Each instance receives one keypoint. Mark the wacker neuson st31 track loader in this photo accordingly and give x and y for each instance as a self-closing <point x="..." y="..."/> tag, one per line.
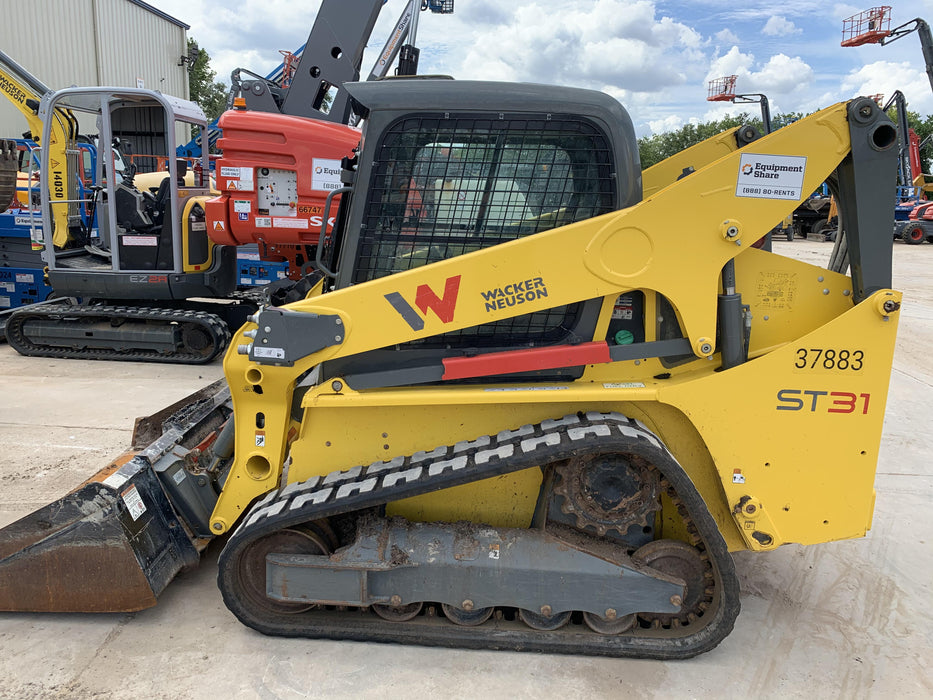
<point x="524" y="408"/>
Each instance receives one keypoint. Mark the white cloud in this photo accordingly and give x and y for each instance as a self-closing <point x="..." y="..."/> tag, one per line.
<point x="844" y="11"/>
<point x="779" y="26"/>
<point x="669" y="123"/>
<point x="780" y="75"/>
<point x="611" y="42"/>
<point x="726" y="37"/>
<point x="885" y="77"/>
<point x="783" y="74"/>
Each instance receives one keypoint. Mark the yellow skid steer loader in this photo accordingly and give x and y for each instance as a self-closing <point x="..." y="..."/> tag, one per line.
<point x="525" y="408"/>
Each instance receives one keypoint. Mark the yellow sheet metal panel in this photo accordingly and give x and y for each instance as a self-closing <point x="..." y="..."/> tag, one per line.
<point x="503" y="501"/>
<point x="669" y="170"/>
<point x="795" y="433"/>
<point x="788" y="298"/>
<point x="349" y="429"/>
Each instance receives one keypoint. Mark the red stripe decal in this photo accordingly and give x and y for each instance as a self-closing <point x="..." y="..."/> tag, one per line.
<point x="593" y="353"/>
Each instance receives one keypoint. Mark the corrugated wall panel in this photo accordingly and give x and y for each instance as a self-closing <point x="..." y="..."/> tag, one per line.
<point x="151" y="53"/>
<point x="55" y="41"/>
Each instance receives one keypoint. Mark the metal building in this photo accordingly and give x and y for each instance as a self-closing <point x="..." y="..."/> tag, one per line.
<point x="93" y="42"/>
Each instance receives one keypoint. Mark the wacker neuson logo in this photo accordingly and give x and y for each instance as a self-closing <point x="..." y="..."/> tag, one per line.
<point x="514" y="294"/>
<point x="771" y="177"/>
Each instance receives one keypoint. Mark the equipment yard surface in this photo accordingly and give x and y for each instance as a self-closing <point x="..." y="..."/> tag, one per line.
<point x="846" y="619"/>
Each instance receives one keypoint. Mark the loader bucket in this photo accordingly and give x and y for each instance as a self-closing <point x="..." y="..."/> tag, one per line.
<point x="116" y="542"/>
<point x="95" y="550"/>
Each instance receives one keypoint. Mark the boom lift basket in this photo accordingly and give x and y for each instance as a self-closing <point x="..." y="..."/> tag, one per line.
<point x="867" y="27"/>
<point x="722" y="89"/>
<point x="438" y="7"/>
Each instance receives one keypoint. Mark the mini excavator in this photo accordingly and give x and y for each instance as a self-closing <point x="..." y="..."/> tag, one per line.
<point x="152" y="285"/>
<point x="525" y="407"/>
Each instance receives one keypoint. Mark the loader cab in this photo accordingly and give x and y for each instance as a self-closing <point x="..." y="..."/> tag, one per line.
<point x="144" y="234"/>
<point x="450" y="167"/>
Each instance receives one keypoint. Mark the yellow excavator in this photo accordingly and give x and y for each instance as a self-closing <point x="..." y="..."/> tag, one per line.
<point x="526" y="408"/>
<point x="25" y="92"/>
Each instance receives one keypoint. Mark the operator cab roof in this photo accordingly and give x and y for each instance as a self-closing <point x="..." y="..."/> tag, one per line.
<point x="438" y="94"/>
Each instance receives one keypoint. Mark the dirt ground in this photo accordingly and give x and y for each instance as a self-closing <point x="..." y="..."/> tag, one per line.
<point x="847" y="619"/>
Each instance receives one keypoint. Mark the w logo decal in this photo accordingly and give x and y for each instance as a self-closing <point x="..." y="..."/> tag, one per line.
<point x="426" y="298"/>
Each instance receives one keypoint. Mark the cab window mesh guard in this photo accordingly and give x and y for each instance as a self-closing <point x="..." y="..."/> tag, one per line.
<point x="444" y="187"/>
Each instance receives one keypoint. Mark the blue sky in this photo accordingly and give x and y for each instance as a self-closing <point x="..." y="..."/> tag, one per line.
<point x="654" y="56"/>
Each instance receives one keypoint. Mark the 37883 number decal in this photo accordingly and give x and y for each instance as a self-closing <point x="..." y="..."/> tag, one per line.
<point x="829" y="358"/>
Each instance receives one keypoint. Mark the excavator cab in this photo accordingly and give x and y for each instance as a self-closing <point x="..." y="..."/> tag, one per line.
<point x="145" y="235"/>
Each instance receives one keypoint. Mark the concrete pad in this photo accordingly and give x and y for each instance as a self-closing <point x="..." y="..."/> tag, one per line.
<point x="844" y="619"/>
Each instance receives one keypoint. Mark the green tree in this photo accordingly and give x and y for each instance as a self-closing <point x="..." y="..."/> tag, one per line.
<point x="203" y="89"/>
<point x="655" y="148"/>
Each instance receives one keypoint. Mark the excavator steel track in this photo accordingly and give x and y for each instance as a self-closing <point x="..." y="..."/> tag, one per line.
<point x="365" y="487"/>
<point x="99" y="332"/>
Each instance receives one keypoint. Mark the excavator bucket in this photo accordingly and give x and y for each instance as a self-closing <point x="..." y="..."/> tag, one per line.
<point x="116" y="542"/>
<point x="8" y="169"/>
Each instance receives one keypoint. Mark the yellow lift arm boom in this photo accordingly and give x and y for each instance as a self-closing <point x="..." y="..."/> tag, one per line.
<point x="25" y="91"/>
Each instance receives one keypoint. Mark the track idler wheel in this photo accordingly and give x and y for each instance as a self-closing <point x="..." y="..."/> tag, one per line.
<point x="466" y="617"/>
<point x="251" y="567"/>
<point x="679" y="559"/>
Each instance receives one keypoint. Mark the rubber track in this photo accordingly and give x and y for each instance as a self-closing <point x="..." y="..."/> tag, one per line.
<point x="211" y="323"/>
<point x="445" y="467"/>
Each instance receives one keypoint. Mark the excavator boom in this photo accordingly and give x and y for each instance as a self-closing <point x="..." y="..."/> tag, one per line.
<point x="26" y="91"/>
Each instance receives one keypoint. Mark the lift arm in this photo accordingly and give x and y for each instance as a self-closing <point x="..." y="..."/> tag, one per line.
<point x="332" y="56"/>
<point x="926" y="41"/>
<point x="904" y="171"/>
<point x="25" y="91"/>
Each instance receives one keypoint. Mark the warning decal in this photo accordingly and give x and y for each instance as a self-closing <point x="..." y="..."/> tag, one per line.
<point x="134" y="502"/>
<point x="764" y="176"/>
<point x="280" y="222"/>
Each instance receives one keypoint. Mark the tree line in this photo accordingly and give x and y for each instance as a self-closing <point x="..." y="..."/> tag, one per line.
<point x="655" y="148"/>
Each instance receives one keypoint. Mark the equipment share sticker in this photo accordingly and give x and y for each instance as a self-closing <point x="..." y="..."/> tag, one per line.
<point x="771" y="177"/>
